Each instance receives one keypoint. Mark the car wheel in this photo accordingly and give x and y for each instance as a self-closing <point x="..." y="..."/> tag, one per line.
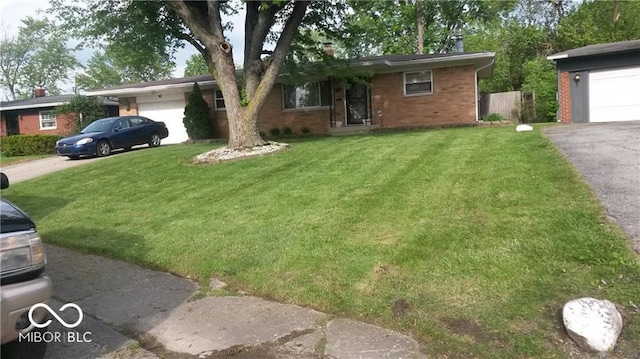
<point x="74" y="157"/>
<point x="103" y="149"/>
<point x="154" y="140"/>
<point x="25" y="349"/>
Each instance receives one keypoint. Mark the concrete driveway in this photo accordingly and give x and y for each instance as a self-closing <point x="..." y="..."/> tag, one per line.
<point x="608" y="156"/>
<point x="27" y="170"/>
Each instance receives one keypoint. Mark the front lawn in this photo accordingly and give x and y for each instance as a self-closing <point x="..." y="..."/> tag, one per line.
<point x="468" y="239"/>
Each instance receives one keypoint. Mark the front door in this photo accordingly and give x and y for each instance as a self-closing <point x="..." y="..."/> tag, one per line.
<point x="358" y="105"/>
<point x="13" y="126"/>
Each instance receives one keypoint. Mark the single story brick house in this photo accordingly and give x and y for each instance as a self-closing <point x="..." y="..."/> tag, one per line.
<point x="599" y="83"/>
<point x="403" y="91"/>
<point x="37" y="115"/>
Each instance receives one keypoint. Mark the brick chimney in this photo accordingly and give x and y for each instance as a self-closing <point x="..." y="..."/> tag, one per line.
<point x="327" y="47"/>
<point x="39" y="91"/>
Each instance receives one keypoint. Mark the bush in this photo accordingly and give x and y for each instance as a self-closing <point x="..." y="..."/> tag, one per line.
<point x="197" y="116"/>
<point x="275" y="132"/>
<point x="305" y="131"/>
<point x="287" y="131"/>
<point x="493" y="117"/>
<point x="91" y="108"/>
<point x="29" y="145"/>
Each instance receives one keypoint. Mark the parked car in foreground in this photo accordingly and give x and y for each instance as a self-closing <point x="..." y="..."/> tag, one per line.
<point x="22" y="261"/>
<point x="100" y="137"/>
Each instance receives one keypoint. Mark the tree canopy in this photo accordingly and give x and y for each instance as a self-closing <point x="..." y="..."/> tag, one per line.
<point x="196" y="66"/>
<point x="37" y="56"/>
<point x="110" y="68"/>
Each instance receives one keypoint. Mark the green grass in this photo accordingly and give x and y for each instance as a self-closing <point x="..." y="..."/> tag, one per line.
<point x="6" y="161"/>
<point x="484" y="232"/>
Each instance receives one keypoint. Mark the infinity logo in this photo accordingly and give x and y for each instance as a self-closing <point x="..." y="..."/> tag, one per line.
<point x="60" y="320"/>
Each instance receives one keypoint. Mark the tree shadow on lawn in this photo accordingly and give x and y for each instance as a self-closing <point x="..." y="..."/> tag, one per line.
<point x="39" y="207"/>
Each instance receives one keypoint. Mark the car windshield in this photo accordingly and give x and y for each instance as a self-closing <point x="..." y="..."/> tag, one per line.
<point x="100" y="125"/>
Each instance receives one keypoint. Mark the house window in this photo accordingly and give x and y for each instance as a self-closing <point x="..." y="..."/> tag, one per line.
<point x="309" y="95"/>
<point x="219" y="100"/>
<point x="418" y="83"/>
<point x="48" y="120"/>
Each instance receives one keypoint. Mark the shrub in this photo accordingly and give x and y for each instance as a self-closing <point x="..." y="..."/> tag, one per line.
<point x="197" y="118"/>
<point x="29" y="145"/>
<point x="493" y="117"/>
<point x="287" y="131"/>
<point x="91" y="109"/>
<point x="305" y="131"/>
<point x="275" y="132"/>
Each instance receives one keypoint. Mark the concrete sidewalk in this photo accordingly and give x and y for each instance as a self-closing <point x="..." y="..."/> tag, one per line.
<point x="122" y="301"/>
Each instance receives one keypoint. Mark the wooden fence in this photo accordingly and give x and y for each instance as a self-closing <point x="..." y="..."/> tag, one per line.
<point x="515" y="106"/>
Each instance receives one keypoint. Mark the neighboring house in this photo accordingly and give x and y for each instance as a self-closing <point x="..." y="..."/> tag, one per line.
<point x="404" y="91"/>
<point x="37" y="115"/>
<point x="599" y="83"/>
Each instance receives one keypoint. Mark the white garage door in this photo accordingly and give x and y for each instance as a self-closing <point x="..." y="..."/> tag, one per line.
<point x="169" y="112"/>
<point x="614" y="95"/>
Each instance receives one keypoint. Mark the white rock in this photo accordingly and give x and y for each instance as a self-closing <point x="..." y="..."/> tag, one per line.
<point x="521" y="128"/>
<point x="593" y="324"/>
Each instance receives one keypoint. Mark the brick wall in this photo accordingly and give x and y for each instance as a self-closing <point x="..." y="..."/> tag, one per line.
<point x="273" y="116"/>
<point x="564" y="95"/>
<point x="451" y="103"/>
<point x="130" y="103"/>
<point x="29" y="124"/>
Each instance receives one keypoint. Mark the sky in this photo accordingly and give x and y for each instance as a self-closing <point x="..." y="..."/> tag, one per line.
<point x="11" y="11"/>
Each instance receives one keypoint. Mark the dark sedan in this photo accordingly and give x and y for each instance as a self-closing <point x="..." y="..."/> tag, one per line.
<point x="100" y="137"/>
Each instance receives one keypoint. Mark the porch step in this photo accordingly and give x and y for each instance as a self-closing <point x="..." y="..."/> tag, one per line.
<point x="352" y="130"/>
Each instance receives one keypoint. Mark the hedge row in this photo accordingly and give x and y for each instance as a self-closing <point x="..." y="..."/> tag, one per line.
<point x="28" y="145"/>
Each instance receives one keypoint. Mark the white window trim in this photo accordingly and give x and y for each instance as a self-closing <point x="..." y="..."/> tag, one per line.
<point x="215" y="101"/>
<point x="308" y="108"/>
<point x="404" y="84"/>
<point x="55" y="120"/>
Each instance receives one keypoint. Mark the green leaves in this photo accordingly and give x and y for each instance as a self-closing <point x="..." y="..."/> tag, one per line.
<point x="196" y="66"/>
<point x="37" y="56"/>
<point x="84" y="109"/>
<point x="113" y="68"/>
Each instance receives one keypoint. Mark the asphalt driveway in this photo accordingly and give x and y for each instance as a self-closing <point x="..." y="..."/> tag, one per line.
<point x="608" y="156"/>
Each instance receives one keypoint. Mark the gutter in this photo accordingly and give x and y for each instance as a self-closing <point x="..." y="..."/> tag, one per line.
<point x="428" y="60"/>
<point x="40" y="105"/>
<point x="493" y="60"/>
<point x="137" y="90"/>
<point x="557" y="57"/>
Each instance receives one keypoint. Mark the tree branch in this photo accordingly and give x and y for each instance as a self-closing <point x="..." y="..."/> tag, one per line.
<point x="193" y="42"/>
<point x="279" y="54"/>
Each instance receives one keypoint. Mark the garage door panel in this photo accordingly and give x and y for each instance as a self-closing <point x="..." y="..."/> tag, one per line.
<point x="169" y="112"/>
<point x="614" y="95"/>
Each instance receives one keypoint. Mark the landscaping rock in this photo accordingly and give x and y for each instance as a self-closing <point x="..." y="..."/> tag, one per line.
<point x="521" y="128"/>
<point x="227" y="154"/>
<point x="217" y="284"/>
<point x="593" y="324"/>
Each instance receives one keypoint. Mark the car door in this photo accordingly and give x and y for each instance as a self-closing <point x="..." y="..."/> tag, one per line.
<point x="139" y="126"/>
<point x="122" y="136"/>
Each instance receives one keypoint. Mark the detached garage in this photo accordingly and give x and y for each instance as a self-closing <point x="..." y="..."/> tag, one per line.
<point x="599" y="83"/>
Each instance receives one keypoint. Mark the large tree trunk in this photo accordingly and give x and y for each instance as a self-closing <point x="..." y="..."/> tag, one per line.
<point x="420" y="27"/>
<point x="259" y="76"/>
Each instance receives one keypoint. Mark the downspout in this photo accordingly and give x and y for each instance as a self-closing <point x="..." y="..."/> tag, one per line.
<point x="493" y="60"/>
